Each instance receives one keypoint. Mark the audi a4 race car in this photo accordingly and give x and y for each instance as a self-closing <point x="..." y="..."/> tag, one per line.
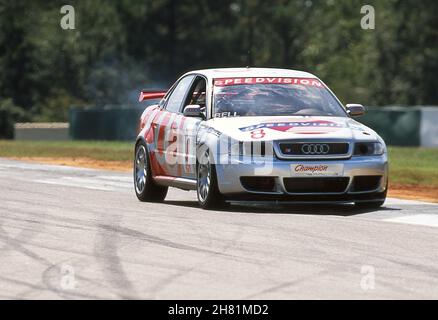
<point x="256" y="134"/>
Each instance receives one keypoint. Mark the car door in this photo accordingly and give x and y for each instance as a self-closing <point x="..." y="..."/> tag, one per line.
<point x="163" y="126"/>
<point x="190" y="126"/>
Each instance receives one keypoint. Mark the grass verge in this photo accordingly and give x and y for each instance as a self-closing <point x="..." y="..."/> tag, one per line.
<point x="413" y="166"/>
<point x="93" y="150"/>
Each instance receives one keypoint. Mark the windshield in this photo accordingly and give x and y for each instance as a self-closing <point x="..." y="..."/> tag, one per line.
<point x="236" y="97"/>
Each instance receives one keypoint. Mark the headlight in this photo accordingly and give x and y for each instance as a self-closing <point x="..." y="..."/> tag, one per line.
<point x="369" y="149"/>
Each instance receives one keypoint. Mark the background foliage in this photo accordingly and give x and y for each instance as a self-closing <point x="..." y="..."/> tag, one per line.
<point x="119" y="47"/>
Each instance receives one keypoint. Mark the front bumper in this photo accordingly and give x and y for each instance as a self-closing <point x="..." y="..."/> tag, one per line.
<point x="229" y="173"/>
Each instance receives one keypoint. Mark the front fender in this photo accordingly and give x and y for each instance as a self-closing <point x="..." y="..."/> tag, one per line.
<point x="210" y="139"/>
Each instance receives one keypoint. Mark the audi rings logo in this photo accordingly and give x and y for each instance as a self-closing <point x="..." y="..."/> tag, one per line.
<point x="315" y="148"/>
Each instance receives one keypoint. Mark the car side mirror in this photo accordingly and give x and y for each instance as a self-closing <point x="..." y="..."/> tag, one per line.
<point x="355" y="110"/>
<point x="193" y="110"/>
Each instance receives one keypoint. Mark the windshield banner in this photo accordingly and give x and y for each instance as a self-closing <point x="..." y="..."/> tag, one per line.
<point x="237" y="81"/>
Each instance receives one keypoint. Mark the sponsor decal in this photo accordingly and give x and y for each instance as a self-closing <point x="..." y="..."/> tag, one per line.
<point x="299" y="127"/>
<point x="312" y="169"/>
<point x="225" y="114"/>
<point x="325" y="170"/>
<point x="266" y="80"/>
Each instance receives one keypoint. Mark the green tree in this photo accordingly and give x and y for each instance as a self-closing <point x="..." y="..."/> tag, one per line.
<point x="9" y="114"/>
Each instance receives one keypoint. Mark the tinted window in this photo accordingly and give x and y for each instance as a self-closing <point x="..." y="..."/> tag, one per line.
<point x="175" y="100"/>
<point x="197" y="94"/>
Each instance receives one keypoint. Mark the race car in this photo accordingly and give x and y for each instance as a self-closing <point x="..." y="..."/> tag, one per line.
<point x="257" y="134"/>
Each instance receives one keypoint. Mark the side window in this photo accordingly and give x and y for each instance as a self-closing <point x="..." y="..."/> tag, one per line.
<point x="197" y="93"/>
<point x="176" y="98"/>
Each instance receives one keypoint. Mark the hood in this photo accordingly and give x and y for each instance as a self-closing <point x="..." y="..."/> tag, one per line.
<point x="296" y="127"/>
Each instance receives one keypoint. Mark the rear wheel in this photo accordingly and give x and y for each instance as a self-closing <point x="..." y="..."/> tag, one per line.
<point x="207" y="189"/>
<point x="145" y="187"/>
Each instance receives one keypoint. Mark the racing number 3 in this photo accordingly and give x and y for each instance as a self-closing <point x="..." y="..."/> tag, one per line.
<point x="258" y="134"/>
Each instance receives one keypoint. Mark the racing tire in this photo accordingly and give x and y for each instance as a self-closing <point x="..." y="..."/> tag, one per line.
<point x="209" y="196"/>
<point x="145" y="187"/>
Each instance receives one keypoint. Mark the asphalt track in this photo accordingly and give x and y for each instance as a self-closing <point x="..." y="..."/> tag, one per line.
<point x="71" y="233"/>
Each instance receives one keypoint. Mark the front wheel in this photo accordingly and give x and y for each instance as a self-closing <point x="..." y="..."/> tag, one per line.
<point x="145" y="187"/>
<point x="207" y="189"/>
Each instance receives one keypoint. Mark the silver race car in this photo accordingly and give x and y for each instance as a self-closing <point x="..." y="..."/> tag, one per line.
<point x="253" y="134"/>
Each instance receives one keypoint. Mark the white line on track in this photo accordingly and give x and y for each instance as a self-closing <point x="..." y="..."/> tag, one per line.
<point x="430" y="220"/>
<point x="104" y="183"/>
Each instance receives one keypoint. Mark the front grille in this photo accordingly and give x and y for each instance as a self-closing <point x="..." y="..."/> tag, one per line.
<point x="313" y="148"/>
<point x="365" y="183"/>
<point x="258" y="184"/>
<point x="316" y="185"/>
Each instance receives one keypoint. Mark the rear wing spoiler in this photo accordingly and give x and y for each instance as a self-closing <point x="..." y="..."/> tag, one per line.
<point x="151" y="94"/>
